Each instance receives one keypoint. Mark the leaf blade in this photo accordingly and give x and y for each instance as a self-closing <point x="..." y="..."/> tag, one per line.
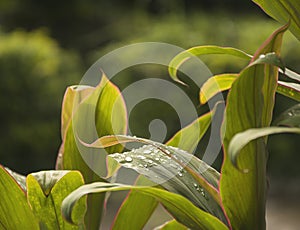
<point x="15" y="213"/>
<point x="182" y="57"/>
<point x="181" y="208"/>
<point x="249" y="105"/>
<point x="283" y="11"/>
<point x="240" y="140"/>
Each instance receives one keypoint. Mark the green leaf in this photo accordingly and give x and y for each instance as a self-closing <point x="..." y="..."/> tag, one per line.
<point x="92" y="117"/>
<point x="15" y="213"/>
<point x="128" y="215"/>
<point x="250" y="104"/>
<point x="240" y="140"/>
<point x="202" y="50"/>
<point x="47" y="190"/>
<point x="179" y="207"/>
<point x="189" y="137"/>
<point x="159" y="168"/>
<point x="78" y="92"/>
<point x="175" y="169"/>
<point x="171" y="225"/>
<point x="283" y="11"/>
<point x="269" y="58"/>
<point x="291" y="90"/>
<point x="216" y="84"/>
<point x="290" y="117"/>
<point x="222" y="82"/>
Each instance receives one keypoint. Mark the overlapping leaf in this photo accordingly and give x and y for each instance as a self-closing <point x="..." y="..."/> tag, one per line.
<point x="283" y="11"/>
<point x="202" y="50"/>
<point x="92" y="116"/>
<point x="15" y="212"/>
<point x="240" y="140"/>
<point x="175" y="169"/>
<point x="128" y="215"/>
<point x="46" y="191"/>
<point x="188" y="137"/>
<point x="181" y="208"/>
<point x="249" y="105"/>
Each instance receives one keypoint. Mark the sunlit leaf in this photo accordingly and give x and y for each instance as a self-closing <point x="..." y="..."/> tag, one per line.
<point x="15" y="212"/>
<point x="216" y="84"/>
<point x="77" y="92"/>
<point x="179" y="207"/>
<point x="202" y="50"/>
<point x="222" y="82"/>
<point x="92" y="117"/>
<point x="250" y="104"/>
<point x="174" y="169"/>
<point x="240" y="140"/>
<point x="47" y="190"/>
<point x="283" y="11"/>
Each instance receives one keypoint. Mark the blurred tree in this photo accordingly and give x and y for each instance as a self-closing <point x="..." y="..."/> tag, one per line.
<point x="34" y="73"/>
<point x="86" y="24"/>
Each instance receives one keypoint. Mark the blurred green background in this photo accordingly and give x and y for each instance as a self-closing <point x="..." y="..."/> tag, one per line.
<point x="47" y="45"/>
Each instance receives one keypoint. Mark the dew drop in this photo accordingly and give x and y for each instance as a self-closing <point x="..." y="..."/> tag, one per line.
<point x="128" y="159"/>
<point x="141" y="157"/>
<point x="150" y="161"/>
<point x="155" y="150"/>
<point x="262" y="56"/>
<point x="147" y="151"/>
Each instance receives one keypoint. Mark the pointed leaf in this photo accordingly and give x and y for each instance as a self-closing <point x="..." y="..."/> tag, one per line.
<point x="15" y="213"/>
<point x="283" y="11"/>
<point x="92" y="117"/>
<point x="202" y="50"/>
<point x="78" y="91"/>
<point x="181" y="208"/>
<point x="47" y="190"/>
<point x="250" y="104"/>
